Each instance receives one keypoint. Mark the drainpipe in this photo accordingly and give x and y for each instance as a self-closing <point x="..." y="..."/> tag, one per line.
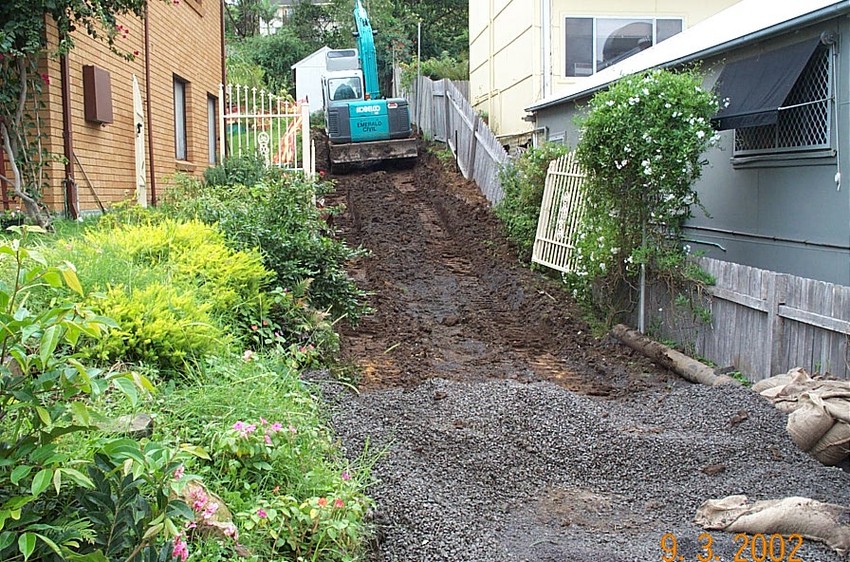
<point x="546" y="45"/>
<point x="491" y="59"/>
<point x="223" y="52"/>
<point x="149" y="103"/>
<point x="72" y="196"/>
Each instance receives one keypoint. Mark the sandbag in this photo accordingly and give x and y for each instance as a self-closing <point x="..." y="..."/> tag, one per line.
<point x="838" y="408"/>
<point x="834" y="446"/>
<point x="810" y="518"/>
<point x="808" y="423"/>
<point x="779" y="380"/>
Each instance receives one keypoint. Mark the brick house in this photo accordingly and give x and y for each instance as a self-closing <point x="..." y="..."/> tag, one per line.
<point x="90" y="114"/>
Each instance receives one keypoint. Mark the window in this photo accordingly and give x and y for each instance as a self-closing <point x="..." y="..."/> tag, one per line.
<point x="803" y="119"/>
<point x="595" y="43"/>
<point x="212" y="126"/>
<point x="180" y="144"/>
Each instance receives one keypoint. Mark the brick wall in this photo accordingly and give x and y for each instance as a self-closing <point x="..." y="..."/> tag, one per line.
<point x="185" y="42"/>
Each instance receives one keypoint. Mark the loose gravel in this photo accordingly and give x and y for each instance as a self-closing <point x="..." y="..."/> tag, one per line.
<point x="506" y="471"/>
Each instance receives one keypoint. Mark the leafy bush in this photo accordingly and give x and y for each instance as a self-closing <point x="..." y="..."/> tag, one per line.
<point x="273" y="459"/>
<point x="642" y="144"/>
<point x="244" y="170"/>
<point x="280" y="216"/>
<point x="48" y="410"/>
<point x="523" y="183"/>
<point x="164" y="326"/>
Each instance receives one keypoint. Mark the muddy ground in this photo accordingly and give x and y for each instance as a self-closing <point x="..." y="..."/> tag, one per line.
<point x="509" y="431"/>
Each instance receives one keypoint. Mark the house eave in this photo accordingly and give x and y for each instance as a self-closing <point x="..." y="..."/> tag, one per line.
<point x="812" y="18"/>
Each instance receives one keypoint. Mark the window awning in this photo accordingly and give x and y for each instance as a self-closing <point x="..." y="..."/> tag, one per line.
<point x="756" y="87"/>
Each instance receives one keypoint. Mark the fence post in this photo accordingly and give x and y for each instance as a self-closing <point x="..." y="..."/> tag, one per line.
<point x="474" y="148"/>
<point x="777" y="287"/>
<point x="222" y="135"/>
<point x="306" y="161"/>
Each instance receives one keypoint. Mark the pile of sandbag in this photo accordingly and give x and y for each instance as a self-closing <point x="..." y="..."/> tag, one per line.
<point x="818" y="412"/>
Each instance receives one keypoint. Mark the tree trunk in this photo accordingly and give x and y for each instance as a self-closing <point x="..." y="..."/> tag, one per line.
<point x="667" y="357"/>
<point x="31" y="206"/>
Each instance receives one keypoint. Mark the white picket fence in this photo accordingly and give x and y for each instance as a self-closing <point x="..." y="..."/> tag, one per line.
<point x="254" y="121"/>
<point x="561" y="213"/>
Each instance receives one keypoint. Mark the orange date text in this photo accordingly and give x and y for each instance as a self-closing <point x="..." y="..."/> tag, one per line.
<point x="748" y="548"/>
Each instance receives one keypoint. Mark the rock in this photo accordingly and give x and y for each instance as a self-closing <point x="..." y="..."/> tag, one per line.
<point x="712" y="469"/>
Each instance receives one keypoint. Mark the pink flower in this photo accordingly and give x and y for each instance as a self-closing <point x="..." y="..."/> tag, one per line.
<point x="292" y="429"/>
<point x="178" y="472"/>
<point x="263" y="421"/>
<point x="249" y="429"/>
<point x="322" y="502"/>
<point x="239" y="426"/>
<point x="338" y="503"/>
<point x="248" y="356"/>
<point x="180" y="549"/>
<point x="262" y="514"/>
<point x="231" y="531"/>
<point x="346" y="476"/>
<point x="209" y="511"/>
<point x="275" y="427"/>
<point x="268" y="439"/>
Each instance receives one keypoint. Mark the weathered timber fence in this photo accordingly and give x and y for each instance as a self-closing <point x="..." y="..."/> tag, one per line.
<point x="440" y="110"/>
<point x="762" y="322"/>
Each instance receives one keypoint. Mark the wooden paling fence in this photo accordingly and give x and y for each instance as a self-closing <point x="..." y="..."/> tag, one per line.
<point x="762" y="322"/>
<point x="440" y="110"/>
<point x="561" y="213"/>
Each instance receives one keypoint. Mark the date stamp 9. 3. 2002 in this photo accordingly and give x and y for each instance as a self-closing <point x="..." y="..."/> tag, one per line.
<point x="748" y="548"/>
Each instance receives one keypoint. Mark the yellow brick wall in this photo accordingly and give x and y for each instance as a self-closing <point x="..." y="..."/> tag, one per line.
<point x="185" y="40"/>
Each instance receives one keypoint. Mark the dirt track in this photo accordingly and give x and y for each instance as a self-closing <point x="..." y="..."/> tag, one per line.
<point x="451" y="299"/>
<point x="511" y="433"/>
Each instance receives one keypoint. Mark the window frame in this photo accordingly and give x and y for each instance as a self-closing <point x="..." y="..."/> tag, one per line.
<point x="212" y="129"/>
<point x="776" y="151"/>
<point x="181" y="129"/>
<point x="653" y="20"/>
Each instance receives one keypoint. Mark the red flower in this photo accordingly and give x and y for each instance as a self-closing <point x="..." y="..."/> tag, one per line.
<point x="46" y="79"/>
<point x="338" y="503"/>
<point x="323" y="502"/>
<point x="135" y="53"/>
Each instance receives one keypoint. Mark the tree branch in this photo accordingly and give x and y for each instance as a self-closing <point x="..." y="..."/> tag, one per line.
<point x="30" y="204"/>
<point x="22" y="98"/>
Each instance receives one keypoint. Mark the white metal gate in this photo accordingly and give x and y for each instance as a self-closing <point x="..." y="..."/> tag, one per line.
<point x="254" y="121"/>
<point x="561" y="213"/>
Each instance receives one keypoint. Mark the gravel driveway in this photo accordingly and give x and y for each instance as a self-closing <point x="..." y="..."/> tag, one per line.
<point x="510" y="432"/>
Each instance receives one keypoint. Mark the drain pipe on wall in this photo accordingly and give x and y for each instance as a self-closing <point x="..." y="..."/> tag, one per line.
<point x="72" y="195"/>
<point x="149" y="103"/>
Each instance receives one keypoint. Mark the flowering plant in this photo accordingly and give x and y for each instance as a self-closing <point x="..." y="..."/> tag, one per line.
<point x="642" y="148"/>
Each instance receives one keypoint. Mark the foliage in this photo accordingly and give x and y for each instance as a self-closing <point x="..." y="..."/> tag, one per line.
<point x="523" y="182"/>
<point x="280" y="216"/>
<point x="273" y="459"/>
<point x="47" y="409"/>
<point x="241" y="68"/>
<point x="174" y="288"/>
<point x="642" y="144"/>
<point x="235" y="170"/>
<point x="446" y="66"/>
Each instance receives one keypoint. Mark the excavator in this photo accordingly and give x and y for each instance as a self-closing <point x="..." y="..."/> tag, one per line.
<point x="362" y="126"/>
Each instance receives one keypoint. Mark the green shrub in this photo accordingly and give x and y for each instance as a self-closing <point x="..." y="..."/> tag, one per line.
<point x="523" y="183"/>
<point x="161" y="325"/>
<point x="280" y="217"/>
<point x="57" y="502"/>
<point x="245" y="170"/>
<point x="642" y="147"/>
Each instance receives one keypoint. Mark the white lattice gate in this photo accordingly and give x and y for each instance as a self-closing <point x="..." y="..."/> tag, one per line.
<point x="254" y="121"/>
<point x="561" y="213"/>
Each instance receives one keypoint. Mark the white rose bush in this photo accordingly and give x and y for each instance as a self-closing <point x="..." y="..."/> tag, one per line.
<point x="642" y="146"/>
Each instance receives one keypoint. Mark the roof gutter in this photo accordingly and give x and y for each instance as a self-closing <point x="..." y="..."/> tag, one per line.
<point x="811" y="18"/>
<point x="149" y="103"/>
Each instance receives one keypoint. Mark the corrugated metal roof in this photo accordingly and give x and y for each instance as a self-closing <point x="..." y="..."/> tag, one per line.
<point x="746" y="20"/>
